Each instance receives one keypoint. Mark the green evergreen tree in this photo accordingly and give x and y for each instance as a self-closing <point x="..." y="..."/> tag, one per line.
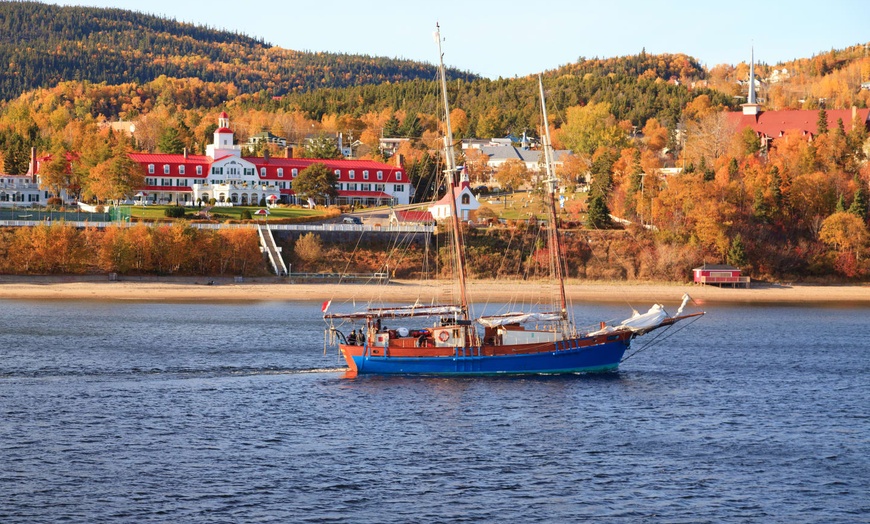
<point x="322" y="146"/>
<point x="822" y="122"/>
<point x="859" y="203"/>
<point x="411" y="127"/>
<point x="733" y="169"/>
<point x="598" y="215"/>
<point x="736" y="253"/>
<point x="16" y="158"/>
<point x="391" y="127"/>
<point x="170" y="143"/>
<point x="841" y="205"/>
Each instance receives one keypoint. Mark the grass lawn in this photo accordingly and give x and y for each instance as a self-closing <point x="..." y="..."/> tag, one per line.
<point x="523" y="205"/>
<point x="230" y="213"/>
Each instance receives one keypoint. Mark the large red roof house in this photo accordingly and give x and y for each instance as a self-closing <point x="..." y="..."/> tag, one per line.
<point x="770" y="125"/>
<point x="228" y="177"/>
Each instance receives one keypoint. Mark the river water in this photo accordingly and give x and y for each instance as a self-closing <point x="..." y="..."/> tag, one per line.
<point x="196" y="412"/>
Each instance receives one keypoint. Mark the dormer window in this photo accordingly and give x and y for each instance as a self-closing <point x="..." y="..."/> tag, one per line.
<point x="262" y="171"/>
<point x="380" y="175"/>
<point x="198" y="170"/>
<point x="150" y="169"/>
<point x="398" y="175"/>
<point x="165" y="169"/>
<point x="280" y="171"/>
<point x="180" y="170"/>
<point x="365" y="175"/>
<point x="294" y="172"/>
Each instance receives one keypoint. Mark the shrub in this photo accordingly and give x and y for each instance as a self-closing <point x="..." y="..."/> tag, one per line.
<point x="212" y="201"/>
<point x="174" y="212"/>
<point x="263" y="202"/>
<point x="54" y="202"/>
<point x="246" y="214"/>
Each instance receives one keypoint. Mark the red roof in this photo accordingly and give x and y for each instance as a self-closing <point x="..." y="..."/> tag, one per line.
<point x="414" y="216"/>
<point x="775" y="124"/>
<point x="223" y="115"/>
<point x="457" y="190"/>
<point x="223" y="130"/>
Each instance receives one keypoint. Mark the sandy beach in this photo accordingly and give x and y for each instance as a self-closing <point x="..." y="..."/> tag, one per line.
<point x="266" y="288"/>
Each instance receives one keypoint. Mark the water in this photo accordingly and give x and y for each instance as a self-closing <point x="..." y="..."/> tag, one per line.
<point x="149" y="412"/>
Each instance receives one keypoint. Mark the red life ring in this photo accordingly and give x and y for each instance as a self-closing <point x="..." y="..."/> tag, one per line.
<point x="443" y="336"/>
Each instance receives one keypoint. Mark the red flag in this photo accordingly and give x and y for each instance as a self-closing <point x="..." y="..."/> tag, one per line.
<point x="325" y="306"/>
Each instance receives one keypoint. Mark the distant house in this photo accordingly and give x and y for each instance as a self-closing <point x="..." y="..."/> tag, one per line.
<point x="719" y="274"/>
<point x="266" y="138"/>
<point x="466" y="202"/>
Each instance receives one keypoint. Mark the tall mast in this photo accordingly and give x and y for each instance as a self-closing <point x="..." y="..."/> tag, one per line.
<point x="552" y="182"/>
<point x="450" y="172"/>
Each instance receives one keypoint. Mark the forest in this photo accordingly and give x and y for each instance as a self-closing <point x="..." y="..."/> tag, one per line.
<point x="43" y="44"/>
<point x="795" y="210"/>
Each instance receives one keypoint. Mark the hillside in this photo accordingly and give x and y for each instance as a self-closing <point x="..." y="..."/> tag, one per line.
<point x="42" y="45"/>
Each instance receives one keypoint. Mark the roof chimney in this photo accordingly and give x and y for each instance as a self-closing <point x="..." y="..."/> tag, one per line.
<point x="400" y="160"/>
<point x="266" y="154"/>
<point x="185" y="153"/>
<point x="288" y="152"/>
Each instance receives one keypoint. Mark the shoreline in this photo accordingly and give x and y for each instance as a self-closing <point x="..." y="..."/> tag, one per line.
<point x="98" y="287"/>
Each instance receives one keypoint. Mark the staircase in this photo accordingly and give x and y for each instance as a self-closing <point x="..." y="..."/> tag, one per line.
<point x="268" y="246"/>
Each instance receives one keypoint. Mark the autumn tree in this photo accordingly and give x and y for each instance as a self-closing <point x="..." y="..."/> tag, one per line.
<point x="512" y="174"/>
<point x="170" y="142"/>
<point x="308" y="248"/>
<point x="316" y="182"/>
<point x="590" y="127"/>
<point x="56" y="175"/>
<point x="117" y="177"/>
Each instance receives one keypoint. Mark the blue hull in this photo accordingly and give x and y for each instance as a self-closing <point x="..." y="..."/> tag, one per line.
<point x="601" y="357"/>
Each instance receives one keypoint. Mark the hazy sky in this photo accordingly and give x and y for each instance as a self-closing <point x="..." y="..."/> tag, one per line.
<point x="508" y="38"/>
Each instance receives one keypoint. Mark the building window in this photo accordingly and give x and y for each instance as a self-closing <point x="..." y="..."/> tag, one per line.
<point x="262" y="171"/>
<point x="379" y="187"/>
<point x="249" y="171"/>
<point x="351" y="187"/>
<point x="398" y="175"/>
<point x="366" y="187"/>
<point x="466" y="199"/>
<point x="338" y="172"/>
<point x="365" y="175"/>
<point x="198" y="170"/>
<point x="166" y="182"/>
<point x="180" y="170"/>
<point x="217" y="170"/>
<point x="380" y="175"/>
<point x="294" y="172"/>
<point x="351" y="173"/>
<point x="150" y="181"/>
<point x="150" y="169"/>
<point x="280" y="171"/>
<point x="181" y="182"/>
<point x="165" y="169"/>
<point x="398" y="188"/>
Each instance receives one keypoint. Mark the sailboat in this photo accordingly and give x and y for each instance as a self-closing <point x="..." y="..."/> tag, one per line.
<point x="514" y="343"/>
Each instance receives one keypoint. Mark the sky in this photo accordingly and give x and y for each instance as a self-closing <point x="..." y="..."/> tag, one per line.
<point x="516" y="38"/>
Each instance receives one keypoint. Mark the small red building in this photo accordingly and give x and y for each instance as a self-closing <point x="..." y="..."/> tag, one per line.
<point x="719" y="274"/>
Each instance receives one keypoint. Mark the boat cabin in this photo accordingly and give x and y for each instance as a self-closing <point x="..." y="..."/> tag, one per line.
<point x="719" y="274"/>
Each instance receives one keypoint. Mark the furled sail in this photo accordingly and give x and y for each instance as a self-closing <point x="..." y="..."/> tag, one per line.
<point x="401" y="311"/>
<point x="517" y="318"/>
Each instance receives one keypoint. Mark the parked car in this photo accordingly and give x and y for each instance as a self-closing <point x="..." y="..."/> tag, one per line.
<point x="351" y="220"/>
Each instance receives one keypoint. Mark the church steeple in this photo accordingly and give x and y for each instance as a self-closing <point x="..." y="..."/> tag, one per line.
<point x="751" y="106"/>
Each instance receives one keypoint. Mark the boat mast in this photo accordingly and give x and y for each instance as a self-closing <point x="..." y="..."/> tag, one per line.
<point x="552" y="183"/>
<point x="450" y="172"/>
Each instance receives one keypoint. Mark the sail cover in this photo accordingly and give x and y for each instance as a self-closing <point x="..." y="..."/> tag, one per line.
<point x="650" y="319"/>
<point x="517" y="318"/>
<point x="401" y="311"/>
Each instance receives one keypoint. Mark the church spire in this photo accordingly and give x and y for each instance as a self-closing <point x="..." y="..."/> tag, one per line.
<point x="751" y="106"/>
